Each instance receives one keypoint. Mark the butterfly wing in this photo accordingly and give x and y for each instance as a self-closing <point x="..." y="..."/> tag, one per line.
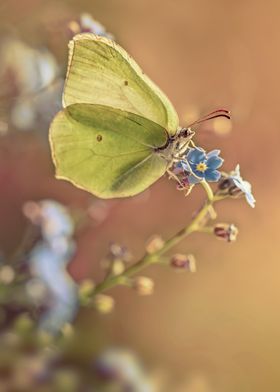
<point x="101" y="72"/>
<point x="106" y="151"/>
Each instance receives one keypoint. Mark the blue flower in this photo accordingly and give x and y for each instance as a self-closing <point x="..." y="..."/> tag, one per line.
<point x="202" y="166"/>
<point x="244" y="186"/>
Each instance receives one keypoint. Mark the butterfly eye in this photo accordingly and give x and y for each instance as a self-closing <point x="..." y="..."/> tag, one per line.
<point x="188" y="132"/>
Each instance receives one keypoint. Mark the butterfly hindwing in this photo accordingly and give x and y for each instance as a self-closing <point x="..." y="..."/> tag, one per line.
<point x="109" y="152"/>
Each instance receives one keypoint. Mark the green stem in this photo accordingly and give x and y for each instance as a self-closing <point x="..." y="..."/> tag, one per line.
<point x="207" y="189"/>
<point x="149" y="259"/>
<point x="206" y="229"/>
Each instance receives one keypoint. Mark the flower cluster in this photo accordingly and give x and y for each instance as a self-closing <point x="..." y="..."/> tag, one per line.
<point x="197" y="166"/>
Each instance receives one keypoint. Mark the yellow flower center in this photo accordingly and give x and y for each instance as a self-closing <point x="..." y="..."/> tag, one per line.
<point x="201" y="167"/>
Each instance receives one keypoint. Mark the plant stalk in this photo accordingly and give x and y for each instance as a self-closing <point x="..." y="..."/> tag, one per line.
<point x="148" y="259"/>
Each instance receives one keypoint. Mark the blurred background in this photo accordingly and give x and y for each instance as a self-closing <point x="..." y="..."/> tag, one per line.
<point x="215" y="330"/>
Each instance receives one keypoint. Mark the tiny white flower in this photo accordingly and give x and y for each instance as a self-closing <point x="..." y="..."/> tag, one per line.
<point x="243" y="185"/>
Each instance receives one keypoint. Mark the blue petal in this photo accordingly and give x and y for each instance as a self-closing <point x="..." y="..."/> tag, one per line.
<point x="185" y="166"/>
<point x="193" y="166"/>
<point x="240" y="184"/>
<point x="199" y="173"/>
<point x="212" y="175"/>
<point x="196" y="155"/>
<point x="213" y="153"/>
<point x="214" y="162"/>
<point x="245" y="187"/>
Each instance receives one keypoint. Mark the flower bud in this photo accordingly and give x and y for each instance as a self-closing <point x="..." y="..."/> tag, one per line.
<point x="65" y="380"/>
<point x="116" y="250"/>
<point x="86" y="288"/>
<point x="143" y="285"/>
<point x="23" y="324"/>
<point x="7" y="274"/>
<point x="32" y="211"/>
<point x="44" y="338"/>
<point x="224" y="183"/>
<point x="118" y="267"/>
<point x="226" y="186"/>
<point x="183" y="262"/>
<point x="225" y="231"/>
<point x="74" y="27"/>
<point x="67" y="331"/>
<point x="154" y="244"/>
<point x="120" y="252"/>
<point x="184" y="185"/>
<point x="116" y="260"/>
<point x="104" y="304"/>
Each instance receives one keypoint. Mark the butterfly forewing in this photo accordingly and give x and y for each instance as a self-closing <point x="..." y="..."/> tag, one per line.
<point x="101" y="72"/>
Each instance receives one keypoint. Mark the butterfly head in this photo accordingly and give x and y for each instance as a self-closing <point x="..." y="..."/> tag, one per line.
<point x="185" y="133"/>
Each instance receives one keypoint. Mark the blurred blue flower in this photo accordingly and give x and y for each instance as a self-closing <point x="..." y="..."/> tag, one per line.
<point x="62" y="294"/>
<point x="89" y="25"/>
<point x="31" y="86"/>
<point x="55" y="221"/>
<point x="202" y="166"/>
<point x="244" y="186"/>
<point x="49" y="260"/>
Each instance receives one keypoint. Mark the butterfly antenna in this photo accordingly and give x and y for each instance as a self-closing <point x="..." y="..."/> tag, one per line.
<point x="210" y="116"/>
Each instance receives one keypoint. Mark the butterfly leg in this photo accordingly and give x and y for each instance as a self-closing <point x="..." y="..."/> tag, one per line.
<point x="181" y="187"/>
<point x="176" y="178"/>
